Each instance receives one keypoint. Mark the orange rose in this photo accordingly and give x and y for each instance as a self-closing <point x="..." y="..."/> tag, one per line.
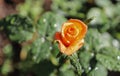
<point x="71" y="37"/>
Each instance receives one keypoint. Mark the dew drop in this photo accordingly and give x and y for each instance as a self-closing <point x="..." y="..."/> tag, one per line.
<point x="50" y="47"/>
<point x="89" y="68"/>
<point x="44" y="20"/>
<point x="92" y="54"/>
<point x="118" y="57"/>
<point x="55" y="25"/>
<point x="116" y="43"/>
<point x="43" y="40"/>
<point x="96" y="68"/>
<point x="34" y="58"/>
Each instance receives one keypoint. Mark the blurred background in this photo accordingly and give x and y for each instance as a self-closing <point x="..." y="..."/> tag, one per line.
<point x="27" y="28"/>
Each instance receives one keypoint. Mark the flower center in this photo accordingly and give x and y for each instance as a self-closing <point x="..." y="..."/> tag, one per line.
<point x="72" y="31"/>
<point x="69" y="33"/>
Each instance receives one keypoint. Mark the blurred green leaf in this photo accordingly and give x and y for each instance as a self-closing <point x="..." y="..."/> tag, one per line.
<point x="93" y="40"/>
<point x="8" y="50"/>
<point x="99" y="70"/>
<point x="44" y="68"/>
<point x="31" y="8"/>
<point x="109" y="62"/>
<point x="68" y="7"/>
<point x="99" y="16"/>
<point x="85" y="58"/>
<point x="7" y="67"/>
<point x="18" y="28"/>
<point x="67" y="73"/>
<point x="88" y="20"/>
<point x="49" y="23"/>
<point x="103" y="3"/>
<point x="40" y="49"/>
<point x="66" y="70"/>
<point x="111" y="51"/>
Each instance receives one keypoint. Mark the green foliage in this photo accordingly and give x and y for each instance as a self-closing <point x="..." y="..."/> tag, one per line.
<point x="68" y="7"/>
<point x="98" y="71"/>
<point x="106" y="15"/>
<point x="93" y="36"/>
<point x="6" y="68"/>
<point x="100" y="50"/>
<point x="47" y="25"/>
<point x="75" y="62"/>
<point x="40" y="49"/>
<point x="31" y="8"/>
<point x="85" y="58"/>
<point x="66" y="70"/>
<point x="18" y="28"/>
<point x="32" y="48"/>
<point x="109" y="62"/>
<point x="8" y="50"/>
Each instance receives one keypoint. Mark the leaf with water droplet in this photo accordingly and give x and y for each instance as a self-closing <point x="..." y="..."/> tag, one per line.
<point x="49" y="23"/>
<point x="85" y="58"/>
<point x="99" y="70"/>
<point x="40" y="49"/>
<point x="109" y="62"/>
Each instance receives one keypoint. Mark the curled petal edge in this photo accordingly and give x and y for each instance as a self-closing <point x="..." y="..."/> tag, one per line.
<point x="71" y="49"/>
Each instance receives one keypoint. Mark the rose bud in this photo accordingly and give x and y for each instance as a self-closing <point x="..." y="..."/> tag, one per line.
<point x="71" y="37"/>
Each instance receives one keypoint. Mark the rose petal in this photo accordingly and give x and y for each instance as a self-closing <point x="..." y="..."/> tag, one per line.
<point x="62" y="47"/>
<point x="83" y="26"/>
<point x="74" y="47"/>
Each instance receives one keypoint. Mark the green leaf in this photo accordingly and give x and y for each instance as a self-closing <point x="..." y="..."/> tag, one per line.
<point x="85" y="58"/>
<point x="27" y="8"/>
<point x="18" y="28"/>
<point x="67" y="73"/>
<point x="8" y="50"/>
<point x="100" y="19"/>
<point x="87" y="21"/>
<point x="55" y="50"/>
<point x="103" y="3"/>
<point x="44" y="68"/>
<point x="109" y="62"/>
<point x="99" y="70"/>
<point x="49" y="23"/>
<point x="41" y="49"/>
<point x="93" y="40"/>
<point x="7" y="67"/>
<point x="66" y="70"/>
<point x="63" y="7"/>
<point x="111" y="51"/>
